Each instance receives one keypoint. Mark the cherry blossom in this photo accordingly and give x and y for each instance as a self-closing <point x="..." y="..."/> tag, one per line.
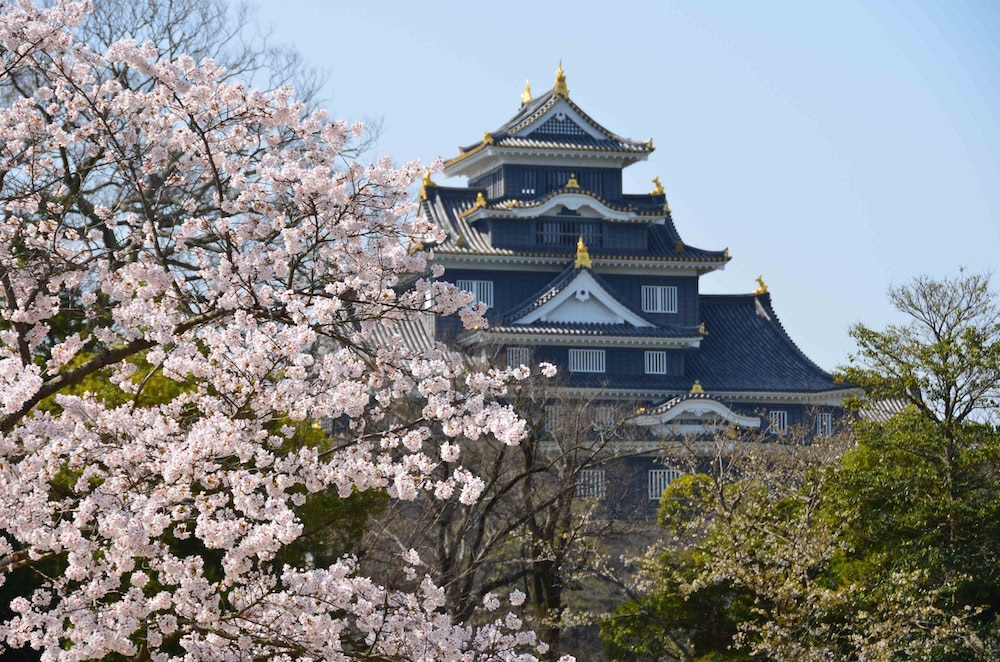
<point x="200" y="232"/>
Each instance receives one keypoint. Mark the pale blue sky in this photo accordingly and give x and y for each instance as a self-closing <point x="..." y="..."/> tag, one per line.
<point x="836" y="149"/>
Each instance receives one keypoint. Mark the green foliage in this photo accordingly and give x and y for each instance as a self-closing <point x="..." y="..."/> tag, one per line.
<point x="887" y="550"/>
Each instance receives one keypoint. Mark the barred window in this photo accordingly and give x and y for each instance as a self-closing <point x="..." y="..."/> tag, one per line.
<point x="481" y="290"/>
<point x="567" y="233"/>
<point x="656" y="363"/>
<point x="659" y="479"/>
<point x="586" y="360"/>
<point x="779" y="421"/>
<point x="517" y="356"/>
<point x="590" y="484"/>
<point x="824" y="424"/>
<point x="553" y="416"/>
<point x="659" y="299"/>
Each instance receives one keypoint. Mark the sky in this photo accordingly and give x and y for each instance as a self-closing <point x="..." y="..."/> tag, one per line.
<point x="836" y="149"/>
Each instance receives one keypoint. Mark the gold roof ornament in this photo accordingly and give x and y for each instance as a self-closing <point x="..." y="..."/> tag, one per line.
<point x="702" y="330"/>
<point x="666" y="206"/>
<point x="572" y="183"/>
<point x="761" y="287"/>
<point x="560" y="90"/>
<point x="488" y="138"/>
<point x="659" y="187"/>
<point x="425" y="184"/>
<point x="727" y="253"/>
<point x="582" y="255"/>
<point x="696" y="387"/>
<point x="480" y="201"/>
<point x="679" y="246"/>
<point x="526" y="94"/>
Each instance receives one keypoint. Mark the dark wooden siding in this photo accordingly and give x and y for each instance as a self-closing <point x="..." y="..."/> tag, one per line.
<point x="510" y="288"/>
<point x="629" y="290"/>
<point x="527" y="182"/>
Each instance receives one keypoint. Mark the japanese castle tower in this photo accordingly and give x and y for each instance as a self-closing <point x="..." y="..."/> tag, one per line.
<point x="599" y="282"/>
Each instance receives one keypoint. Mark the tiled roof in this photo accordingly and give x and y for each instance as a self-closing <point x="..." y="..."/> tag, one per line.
<point x="446" y="206"/>
<point x="535" y="109"/>
<point x="415" y="334"/>
<point x="747" y="349"/>
<point x="664" y="407"/>
<point x="597" y="329"/>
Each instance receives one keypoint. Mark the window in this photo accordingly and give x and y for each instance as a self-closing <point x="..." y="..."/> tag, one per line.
<point x="659" y="299"/>
<point x="590" y="484"/>
<point x="656" y="363"/>
<point x="481" y="290"/>
<point x="824" y="424"/>
<point x="567" y="233"/>
<point x="779" y="421"/>
<point x="518" y="356"/>
<point x="658" y="481"/>
<point x="586" y="360"/>
<point x="528" y="179"/>
<point x="553" y="414"/>
<point x="604" y="416"/>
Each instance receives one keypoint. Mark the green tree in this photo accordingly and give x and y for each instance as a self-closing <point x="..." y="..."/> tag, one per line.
<point x="880" y="547"/>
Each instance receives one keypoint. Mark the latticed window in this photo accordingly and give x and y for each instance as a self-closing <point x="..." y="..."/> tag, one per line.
<point x="561" y="126"/>
<point x="482" y="290"/>
<point x="824" y="424"/>
<point x="590" y="484"/>
<point x="656" y="363"/>
<point x="659" y="299"/>
<point x="779" y="421"/>
<point x="659" y="479"/>
<point x="517" y="356"/>
<point x="586" y="360"/>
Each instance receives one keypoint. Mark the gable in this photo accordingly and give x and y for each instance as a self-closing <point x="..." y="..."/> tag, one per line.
<point x="562" y="120"/>
<point x="584" y="300"/>
<point x="694" y="415"/>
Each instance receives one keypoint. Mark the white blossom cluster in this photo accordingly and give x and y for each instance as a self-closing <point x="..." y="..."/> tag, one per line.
<point x="222" y="234"/>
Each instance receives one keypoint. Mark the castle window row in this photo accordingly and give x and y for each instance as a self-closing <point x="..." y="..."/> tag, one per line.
<point x="518" y="356"/>
<point x="656" y="363"/>
<point x="659" y="299"/>
<point x="567" y="233"/>
<point x="592" y="483"/>
<point x="586" y="360"/>
<point x="481" y="290"/>
<point x="659" y="479"/>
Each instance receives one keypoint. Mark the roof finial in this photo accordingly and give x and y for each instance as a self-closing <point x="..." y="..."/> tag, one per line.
<point x="488" y="138"/>
<point x="582" y="255"/>
<point x="762" y="288"/>
<point x="560" y="89"/>
<point x="526" y="94"/>
<point x="696" y="387"/>
<point x="658" y="190"/>
<point x="425" y="184"/>
<point x="480" y="201"/>
<point x="572" y="183"/>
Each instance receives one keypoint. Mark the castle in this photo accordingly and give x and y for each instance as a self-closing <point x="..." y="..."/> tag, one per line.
<point x="599" y="282"/>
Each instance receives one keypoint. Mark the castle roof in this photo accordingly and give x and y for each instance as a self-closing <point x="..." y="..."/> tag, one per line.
<point x="550" y="122"/>
<point x="449" y="208"/>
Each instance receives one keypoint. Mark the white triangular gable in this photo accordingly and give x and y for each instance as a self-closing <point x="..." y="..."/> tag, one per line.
<point x="564" y="111"/>
<point x="695" y="416"/>
<point x="583" y="300"/>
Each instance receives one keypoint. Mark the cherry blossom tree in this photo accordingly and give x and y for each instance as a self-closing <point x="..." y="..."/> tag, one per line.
<point x="197" y="231"/>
